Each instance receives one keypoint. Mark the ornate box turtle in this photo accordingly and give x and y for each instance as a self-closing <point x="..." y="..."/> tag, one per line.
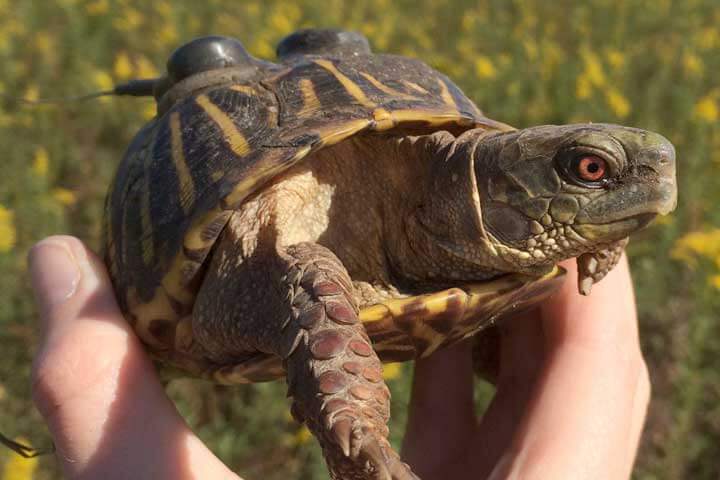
<point x="314" y="217"/>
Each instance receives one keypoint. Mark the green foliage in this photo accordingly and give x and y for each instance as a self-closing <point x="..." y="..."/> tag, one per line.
<point x="648" y="63"/>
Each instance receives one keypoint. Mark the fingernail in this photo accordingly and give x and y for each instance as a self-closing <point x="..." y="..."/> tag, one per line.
<point x="54" y="273"/>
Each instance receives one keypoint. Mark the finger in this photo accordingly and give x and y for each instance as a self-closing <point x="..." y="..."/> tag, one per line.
<point x="589" y="394"/>
<point x="441" y="411"/>
<point x="93" y="383"/>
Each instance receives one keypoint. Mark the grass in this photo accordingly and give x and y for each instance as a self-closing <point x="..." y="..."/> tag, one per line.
<point x="646" y="63"/>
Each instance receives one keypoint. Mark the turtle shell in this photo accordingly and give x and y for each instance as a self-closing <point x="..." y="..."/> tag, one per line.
<point x="231" y="132"/>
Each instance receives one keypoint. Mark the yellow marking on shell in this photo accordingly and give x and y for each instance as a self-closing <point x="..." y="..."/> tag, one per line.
<point x="328" y="136"/>
<point x="384" y="88"/>
<point x="383" y="119"/>
<point x="445" y="94"/>
<point x="351" y="87"/>
<point x="431" y="118"/>
<point x="187" y="186"/>
<point x="432" y="305"/>
<point x="301" y="153"/>
<point x="336" y="134"/>
<point x="237" y="141"/>
<point x="173" y="283"/>
<point x="246" y="89"/>
<point x="486" y="301"/>
<point x="415" y="86"/>
<point x="217" y="175"/>
<point x="146" y="237"/>
<point x="311" y="102"/>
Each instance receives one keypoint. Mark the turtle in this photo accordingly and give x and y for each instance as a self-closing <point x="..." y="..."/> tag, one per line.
<point x="311" y="217"/>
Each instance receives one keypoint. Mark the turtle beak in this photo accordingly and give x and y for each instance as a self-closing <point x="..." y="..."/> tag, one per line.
<point x="662" y="163"/>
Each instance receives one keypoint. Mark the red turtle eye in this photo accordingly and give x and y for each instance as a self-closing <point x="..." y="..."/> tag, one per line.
<point x="591" y="168"/>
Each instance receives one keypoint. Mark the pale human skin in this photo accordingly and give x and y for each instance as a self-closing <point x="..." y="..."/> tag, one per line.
<point x="571" y="401"/>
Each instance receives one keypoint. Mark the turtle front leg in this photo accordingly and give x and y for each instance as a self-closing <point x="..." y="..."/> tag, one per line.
<point x="298" y="303"/>
<point x="334" y="375"/>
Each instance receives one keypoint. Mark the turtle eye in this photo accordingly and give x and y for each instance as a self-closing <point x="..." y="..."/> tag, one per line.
<point x="206" y="53"/>
<point x="590" y="168"/>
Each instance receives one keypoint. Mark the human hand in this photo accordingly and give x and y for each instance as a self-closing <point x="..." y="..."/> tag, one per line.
<point x="571" y="399"/>
<point x="92" y="381"/>
<point x="582" y="388"/>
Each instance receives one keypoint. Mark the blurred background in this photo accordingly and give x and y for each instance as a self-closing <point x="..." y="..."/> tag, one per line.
<point x="647" y="63"/>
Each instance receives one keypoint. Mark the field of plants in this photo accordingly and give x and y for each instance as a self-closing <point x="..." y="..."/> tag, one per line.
<point x="648" y="63"/>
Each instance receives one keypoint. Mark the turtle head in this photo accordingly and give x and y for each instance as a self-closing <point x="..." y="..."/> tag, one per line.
<point x="522" y="200"/>
<point x="555" y="192"/>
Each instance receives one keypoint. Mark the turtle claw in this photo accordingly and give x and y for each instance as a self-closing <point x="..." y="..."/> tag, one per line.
<point x="346" y="435"/>
<point x="367" y="456"/>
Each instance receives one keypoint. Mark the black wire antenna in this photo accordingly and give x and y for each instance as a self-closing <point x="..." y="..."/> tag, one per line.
<point x="24" y="450"/>
<point x="134" y="88"/>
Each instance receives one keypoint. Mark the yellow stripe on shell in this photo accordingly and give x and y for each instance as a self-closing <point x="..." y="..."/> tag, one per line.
<point x="445" y="94"/>
<point x="415" y="87"/>
<point x="246" y="89"/>
<point x="386" y="89"/>
<point x="235" y="139"/>
<point x="383" y="119"/>
<point x="336" y="134"/>
<point x="351" y="87"/>
<point x="187" y="186"/>
<point x="328" y="136"/>
<point x="311" y="103"/>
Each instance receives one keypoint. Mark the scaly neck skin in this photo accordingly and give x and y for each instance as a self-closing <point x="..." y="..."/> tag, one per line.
<point x="443" y="241"/>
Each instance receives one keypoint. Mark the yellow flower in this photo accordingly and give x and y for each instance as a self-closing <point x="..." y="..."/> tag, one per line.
<point x="8" y="234"/>
<point x="145" y="68"/>
<point x="616" y="59"/>
<point x="706" y="109"/>
<point x="103" y="80"/>
<point x="708" y="37"/>
<point x="43" y="42"/>
<point x="163" y="7"/>
<point x="704" y="244"/>
<point x="594" y="69"/>
<point x="32" y="93"/>
<point x="484" y="67"/>
<point x="392" y="371"/>
<point x="41" y="160"/>
<point x="714" y="281"/>
<point x="98" y="7"/>
<point x="693" y="65"/>
<point x="122" y="68"/>
<point x="129" y="20"/>
<point x="302" y="436"/>
<point x="531" y="49"/>
<point x="64" y="196"/>
<point x="149" y="111"/>
<point x="19" y="468"/>
<point x="583" y="88"/>
<point x="617" y="102"/>
<point x="168" y="35"/>
<point x="262" y="48"/>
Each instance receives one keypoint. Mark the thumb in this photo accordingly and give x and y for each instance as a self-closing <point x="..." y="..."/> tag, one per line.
<point x="93" y="383"/>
